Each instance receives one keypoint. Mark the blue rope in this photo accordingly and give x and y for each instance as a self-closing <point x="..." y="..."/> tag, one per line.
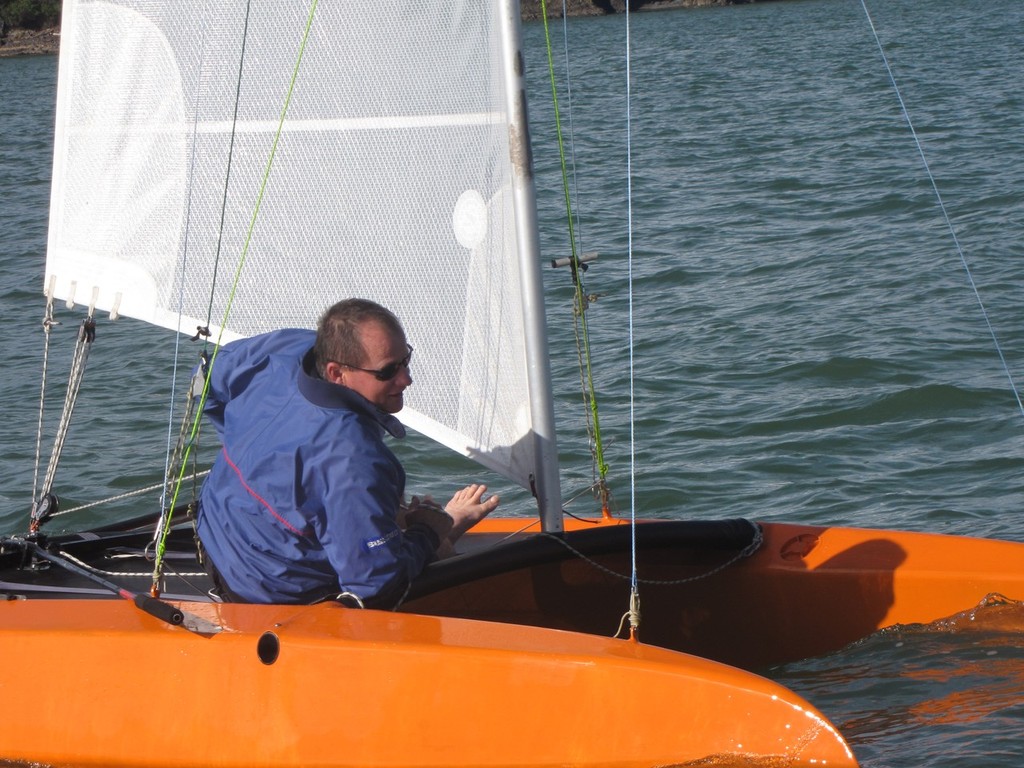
<point x="945" y="214"/>
<point x="629" y="251"/>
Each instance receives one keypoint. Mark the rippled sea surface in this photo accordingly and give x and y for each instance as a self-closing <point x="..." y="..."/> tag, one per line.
<point x="807" y="344"/>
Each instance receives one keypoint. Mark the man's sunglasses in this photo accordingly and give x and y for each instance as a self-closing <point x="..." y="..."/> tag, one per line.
<point x="389" y="371"/>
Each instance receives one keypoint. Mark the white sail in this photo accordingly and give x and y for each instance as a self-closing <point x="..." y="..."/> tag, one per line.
<point x="401" y="174"/>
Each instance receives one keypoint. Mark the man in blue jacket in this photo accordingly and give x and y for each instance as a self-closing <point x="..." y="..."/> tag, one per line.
<point x="305" y="501"/>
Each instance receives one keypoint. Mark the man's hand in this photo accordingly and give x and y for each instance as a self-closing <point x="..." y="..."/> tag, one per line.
<point x="467" y="508"/>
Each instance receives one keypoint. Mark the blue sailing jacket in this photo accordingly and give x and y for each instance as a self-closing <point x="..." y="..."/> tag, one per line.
<point x="302" y="501"/>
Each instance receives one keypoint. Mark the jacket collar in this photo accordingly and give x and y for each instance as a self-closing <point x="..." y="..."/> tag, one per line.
<point x="326" y="394"/>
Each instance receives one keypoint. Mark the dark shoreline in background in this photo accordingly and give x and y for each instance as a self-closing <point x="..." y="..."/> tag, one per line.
<point x="29" y="42"/>
<point x="531" y="9"/>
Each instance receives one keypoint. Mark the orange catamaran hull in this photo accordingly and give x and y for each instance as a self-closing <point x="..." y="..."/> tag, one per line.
<point x="329" y="686"/>
<point x="804" y="591"/>
<point x="473" y="669"/>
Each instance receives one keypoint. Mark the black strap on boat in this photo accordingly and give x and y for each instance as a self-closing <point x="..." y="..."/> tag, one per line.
<point x="151" y="605"/>
<point x="738" y="536"/>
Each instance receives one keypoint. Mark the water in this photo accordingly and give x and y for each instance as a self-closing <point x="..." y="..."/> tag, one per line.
<point x="807" y="344"/>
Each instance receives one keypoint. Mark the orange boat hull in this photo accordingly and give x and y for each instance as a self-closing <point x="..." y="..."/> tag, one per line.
<point x="98" y="682"/>
<point x="87" y="680"/>
<point x="806" y="591"/>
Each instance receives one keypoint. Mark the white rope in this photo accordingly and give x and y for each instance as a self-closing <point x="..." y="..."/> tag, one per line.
<point x="80" y="356"/>
<point x="127" y="495"/>
<point x="48" y="323"/>
<point x="632" y="615"/>
<point x="945" y="214"/>
<point x="126" y="574"/>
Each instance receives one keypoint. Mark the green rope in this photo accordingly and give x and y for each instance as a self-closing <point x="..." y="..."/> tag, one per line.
<point x="161" y="546"/>
<point x="580" y="299"/>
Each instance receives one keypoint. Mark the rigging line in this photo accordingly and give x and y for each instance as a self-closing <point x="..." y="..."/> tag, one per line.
<point x="572" y="133"/>
<point x="161" y="610"/>
<point x="48" y="323"/>
<point x="230" y="164"/>
<point x="580" y="300"/>
<point x="634" y="600"/>
<point x="577" y="241"/>
<point x="80" y="357"/>
<point x="161" y="546"/>
<point x="171" y="454"/>
<point x="125" y="495"/>
<point x="123" y="574"/>
<point x="942" y="207"/>
<point x="756" y="542"/>
<point x="599" y="488"/>
<point x="163" y="527"/>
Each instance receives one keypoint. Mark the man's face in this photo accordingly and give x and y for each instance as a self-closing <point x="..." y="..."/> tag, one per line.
<point x="381" y="348"/>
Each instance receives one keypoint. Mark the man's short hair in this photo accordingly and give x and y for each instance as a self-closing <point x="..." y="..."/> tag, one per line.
<point x="338" y="336"/>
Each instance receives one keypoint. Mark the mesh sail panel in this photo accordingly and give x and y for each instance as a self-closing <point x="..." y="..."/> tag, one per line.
<point x="393" y="180"/>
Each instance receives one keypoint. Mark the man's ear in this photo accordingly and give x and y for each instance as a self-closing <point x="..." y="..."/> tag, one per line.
<point x="334" y="373"/>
